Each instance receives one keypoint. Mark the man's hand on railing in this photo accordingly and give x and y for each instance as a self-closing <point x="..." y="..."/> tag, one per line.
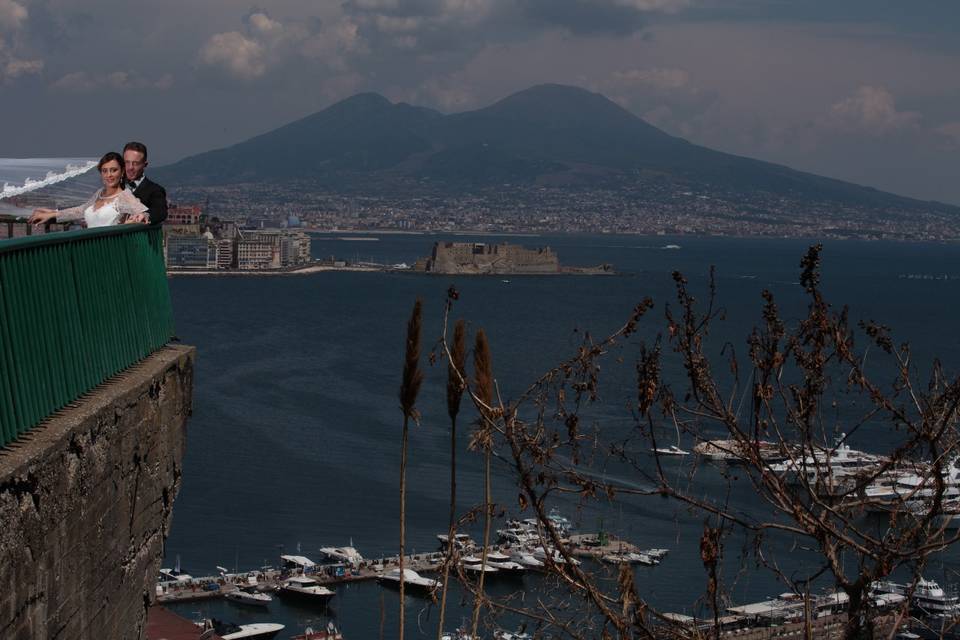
<point x="136" y="218"/>
<point x="42" y="215"/>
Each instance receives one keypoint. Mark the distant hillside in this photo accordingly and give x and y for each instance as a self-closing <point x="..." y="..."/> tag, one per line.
<point x="548" y="134"/>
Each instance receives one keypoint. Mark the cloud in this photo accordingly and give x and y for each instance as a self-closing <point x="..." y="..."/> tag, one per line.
<point x="267" y="44"/>
<point x="951" y="131"/>
<point x="82" y="82"/>
<point x="615" y="17"/>
<point x="870" y="110"/>
<point x="233" y="52"/>
<point x="12" y="15"/>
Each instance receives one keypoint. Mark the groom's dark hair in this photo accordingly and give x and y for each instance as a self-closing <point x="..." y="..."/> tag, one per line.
<point x="136" y="146"/>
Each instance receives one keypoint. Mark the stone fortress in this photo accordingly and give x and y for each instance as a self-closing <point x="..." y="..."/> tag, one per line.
<point x="480" y="258"/>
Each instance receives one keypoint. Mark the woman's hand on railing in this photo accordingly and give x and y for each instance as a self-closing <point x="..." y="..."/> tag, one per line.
<point x="42" y="215"/>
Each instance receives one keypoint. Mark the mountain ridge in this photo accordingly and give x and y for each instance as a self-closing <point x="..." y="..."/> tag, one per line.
<point x="546" y="134"/>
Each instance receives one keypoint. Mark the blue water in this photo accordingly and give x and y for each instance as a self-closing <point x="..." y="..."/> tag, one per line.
<point x="295" y="435"/>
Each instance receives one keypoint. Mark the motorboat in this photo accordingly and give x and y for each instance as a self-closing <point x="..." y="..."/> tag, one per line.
<point x="346" y="555"/>
<point x="252" y="598"/>
<point x="330" y="633"/>
<point x="916" y="489"/>
<point x="928" y="597"/>
<point x="658" y="554"/>
<point x="460" y="540"/>
<point x="474" y="564"/>
<point x="830" y="470"/>
<point x="297" y="563"/>
<point x="305" y="588"/>
<point x="411" y="580"/>
<point x="174" y="575"/>
<point x="504" y="563"/>
<point x="231" y="631"/>
<point x="518" y="535"/>
<point x="736" y="452"/>
<point x="525" y="558"/>
<point x="672" y="450"/>
<point x="630" y="557"/>
<point x="541" y="554"/>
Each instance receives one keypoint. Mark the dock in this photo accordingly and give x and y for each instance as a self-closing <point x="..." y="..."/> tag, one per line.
<point x="591" y="546"/>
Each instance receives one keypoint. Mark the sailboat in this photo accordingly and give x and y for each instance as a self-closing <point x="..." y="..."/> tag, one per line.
<point x="673" y="449"/>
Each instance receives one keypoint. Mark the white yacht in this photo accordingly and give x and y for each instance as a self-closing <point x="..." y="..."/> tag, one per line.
<point x="504" y="563"/>
<point x="230" y="631"/>
<point x="411" y="580"/>
<point x="832" y="470"/>
<point x="525" y="558"/>
<point x="474" y="564"/>
<point x="460" y="540"/>
<point x="541" y="554"/>
<point x="252" y="598"/>
<point x="915" y="488"/>
<point x="518" y="535"/>
<point x="928" y="598"/>
<point x="305" y="588"/>
<point x="346" y="555"/>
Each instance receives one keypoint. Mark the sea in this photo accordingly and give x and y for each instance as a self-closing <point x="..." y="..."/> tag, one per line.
<point x="294" y="440"/>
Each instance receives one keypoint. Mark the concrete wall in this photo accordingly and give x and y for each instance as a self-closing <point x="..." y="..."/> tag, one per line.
<point x="85" y="504"/>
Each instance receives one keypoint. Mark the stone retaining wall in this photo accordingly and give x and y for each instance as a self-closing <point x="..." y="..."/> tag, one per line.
<point x="85" y="504"/>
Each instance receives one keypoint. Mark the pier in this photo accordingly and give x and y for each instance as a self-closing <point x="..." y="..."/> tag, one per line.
<point x="269" y="579"/>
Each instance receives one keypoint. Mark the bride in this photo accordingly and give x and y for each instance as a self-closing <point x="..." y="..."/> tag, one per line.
<point x="108" y="206"/>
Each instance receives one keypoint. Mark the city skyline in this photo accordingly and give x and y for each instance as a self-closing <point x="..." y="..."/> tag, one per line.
<point x="865" y="92"/>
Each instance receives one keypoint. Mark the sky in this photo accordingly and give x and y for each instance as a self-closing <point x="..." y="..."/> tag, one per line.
<point x="861" y="90"/>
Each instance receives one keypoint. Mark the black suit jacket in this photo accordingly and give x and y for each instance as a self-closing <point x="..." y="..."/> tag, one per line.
<point x="155" y="197"/>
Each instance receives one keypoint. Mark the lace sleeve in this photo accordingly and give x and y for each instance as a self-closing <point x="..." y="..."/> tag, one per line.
<point x="76" y="213"/>
<point x="127" y="204"/>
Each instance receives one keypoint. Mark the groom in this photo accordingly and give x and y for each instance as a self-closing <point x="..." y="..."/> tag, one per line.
<point x="148" y="192"/>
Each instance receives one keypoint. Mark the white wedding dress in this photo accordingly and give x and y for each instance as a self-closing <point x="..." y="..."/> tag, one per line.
<point x="103" y="217"/>
<point x="109" y="213"/>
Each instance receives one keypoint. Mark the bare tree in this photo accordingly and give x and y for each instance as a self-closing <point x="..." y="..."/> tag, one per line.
<point x="791" y="381"/>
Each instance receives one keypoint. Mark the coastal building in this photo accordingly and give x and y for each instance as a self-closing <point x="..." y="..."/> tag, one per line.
<point x="183" y="214"/>
<point x="191" y="252"/>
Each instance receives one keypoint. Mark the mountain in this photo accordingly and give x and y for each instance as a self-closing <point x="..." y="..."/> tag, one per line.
<point x="548" y="134"/>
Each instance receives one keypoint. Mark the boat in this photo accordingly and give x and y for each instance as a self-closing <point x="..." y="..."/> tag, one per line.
<point x="541" y="554"/>
<point x="518" y="535"/>
<point x="928" y="597"/>
<point x="830" y="470"/>
<point x="736" y="452"/>
<point x="474" y="564"/>
<point x="231" y="631"/>
<point x="297" y="563"/>
<point x="630" y="557"/>
<point x="525" y="558"/>
<point x="412" y="580"/>
<point x="330" y="633"/>
<point x="460" y="540"/>
<point x="659" y="554"/>
<point x="252" y="598"/>
<point x="175" y="574"/>
<point x="346" y="555"/>
<point x="500" y="634"/>
<point x="504" y="563"/>
<point x="305" y="588"/>
<point x="672" y="450"/>
<point x="916" y="489"/>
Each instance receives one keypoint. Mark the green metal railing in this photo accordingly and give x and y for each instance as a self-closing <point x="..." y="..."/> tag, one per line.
<point x="75" y="309"/>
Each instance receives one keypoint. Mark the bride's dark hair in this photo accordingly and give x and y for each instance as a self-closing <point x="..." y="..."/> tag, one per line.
<point x="113" y="155"/>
